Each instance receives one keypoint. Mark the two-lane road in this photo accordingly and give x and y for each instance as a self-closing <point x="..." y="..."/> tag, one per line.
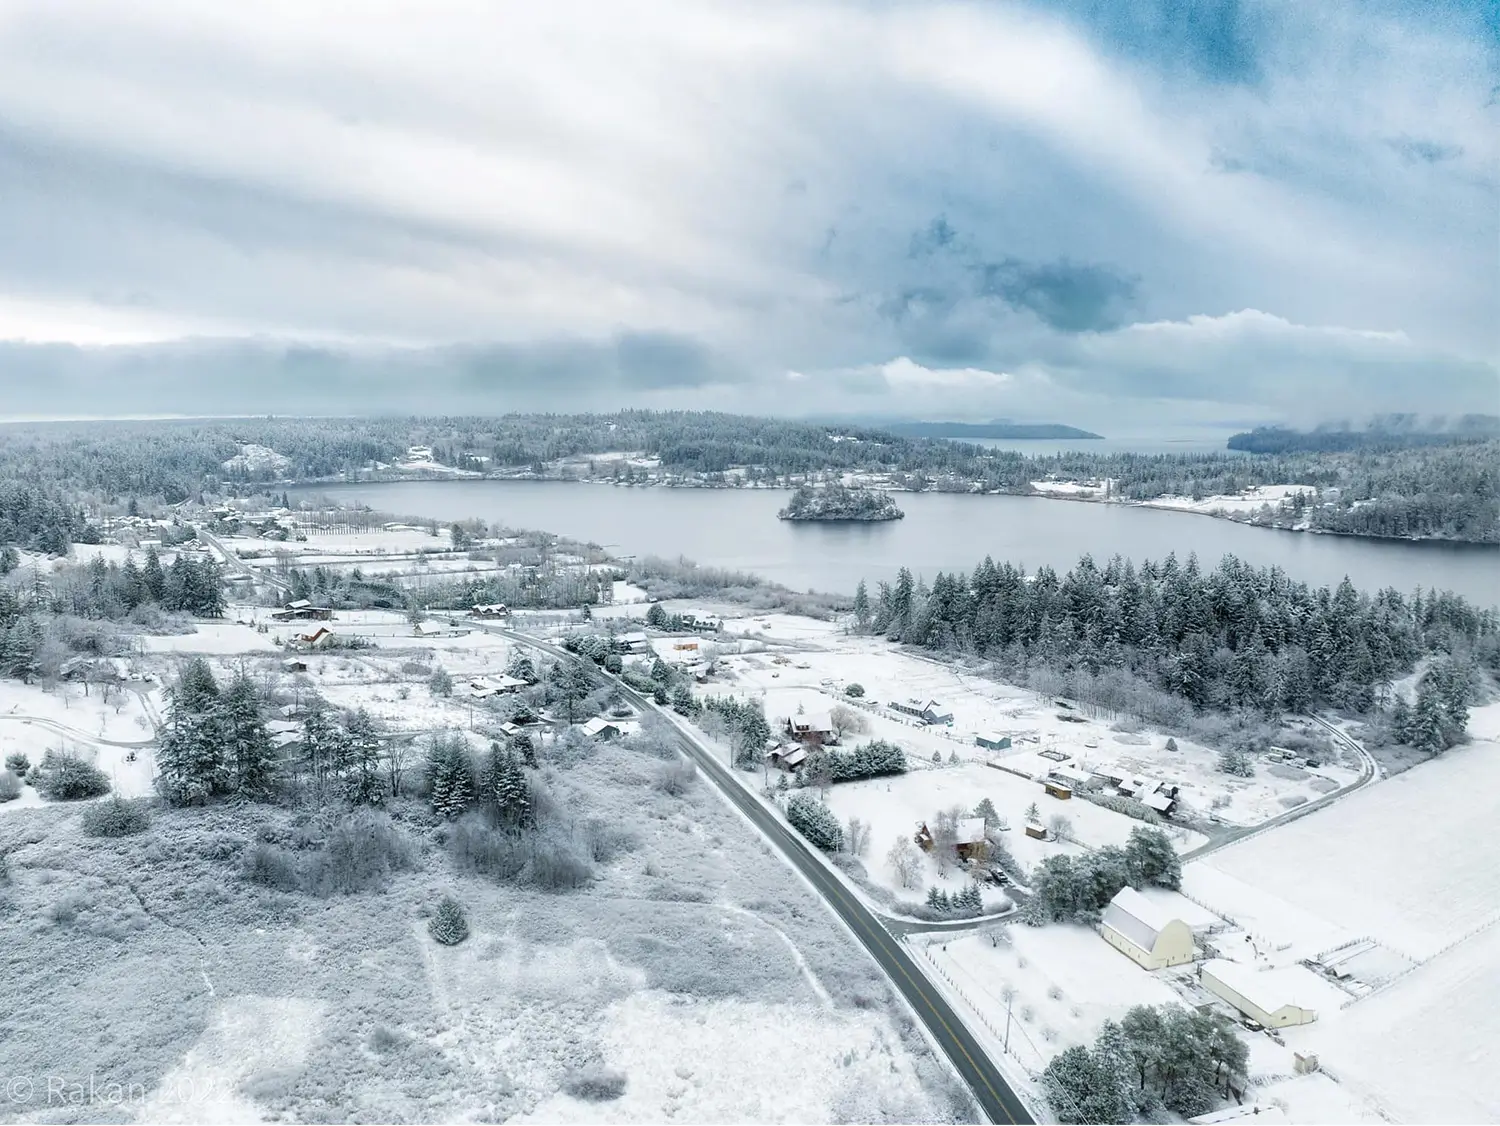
<point x="999" y="1103"/>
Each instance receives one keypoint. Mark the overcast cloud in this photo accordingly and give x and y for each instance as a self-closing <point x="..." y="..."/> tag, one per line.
<point x="1109" y="214"/>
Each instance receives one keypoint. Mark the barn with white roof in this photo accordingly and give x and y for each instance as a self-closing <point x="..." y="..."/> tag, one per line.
<point x="1146" y="933"/>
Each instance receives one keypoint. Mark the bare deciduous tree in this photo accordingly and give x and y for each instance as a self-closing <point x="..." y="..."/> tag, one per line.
<point x="906" y="862"/>
<point x="1060" y="827"/>
<point x="847" y="721"/>
<point x="857" y="837"/>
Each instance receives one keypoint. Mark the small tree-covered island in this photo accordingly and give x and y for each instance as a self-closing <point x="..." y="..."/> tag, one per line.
<point x="836" y="502"/>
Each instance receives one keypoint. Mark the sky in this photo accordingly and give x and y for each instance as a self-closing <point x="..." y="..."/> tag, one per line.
<point x="1131" y="215"/>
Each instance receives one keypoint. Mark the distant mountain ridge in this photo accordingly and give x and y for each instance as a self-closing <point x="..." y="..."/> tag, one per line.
<point x="998" y="428"/>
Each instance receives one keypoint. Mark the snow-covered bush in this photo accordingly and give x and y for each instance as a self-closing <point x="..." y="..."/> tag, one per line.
<point x="116" y="818"/>
<point x="10" y="786"/>
<point x="62" y="777"/>
<point x="594" y="1084"/>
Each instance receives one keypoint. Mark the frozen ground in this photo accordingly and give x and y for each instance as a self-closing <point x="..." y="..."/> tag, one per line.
<point x="65" y="709"/>
<point x="1413" y="864"/>
<point x="697" y="967"/>
<point x="1413" y="861"/>
<point x="222" y="637"/>
<point x="817" y="661"/>
<point x="1067" y="981"/>
<point x="1251" y="500"/>
<point x="1427" y="1049"/>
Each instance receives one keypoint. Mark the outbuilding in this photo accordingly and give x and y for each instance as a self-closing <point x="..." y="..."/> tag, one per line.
<point x="1276" y="998"/>
<point x="598" y="728"/>
<point x="1145" y="933"/>
<point x="992" y="741"/>
<point x="1057" y="790"/>
<point x="929" y="711"/>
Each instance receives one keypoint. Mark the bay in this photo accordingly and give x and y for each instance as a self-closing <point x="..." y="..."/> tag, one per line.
<point x="738" y="529"/>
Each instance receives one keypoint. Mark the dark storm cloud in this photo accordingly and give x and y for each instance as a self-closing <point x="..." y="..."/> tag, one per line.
<point x="1067" y="296"/>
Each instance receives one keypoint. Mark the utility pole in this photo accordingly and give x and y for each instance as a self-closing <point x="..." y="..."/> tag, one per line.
<point x="1008" y="1002"/>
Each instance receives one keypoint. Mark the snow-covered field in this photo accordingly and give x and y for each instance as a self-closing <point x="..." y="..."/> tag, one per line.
<point x="1067" y="981"/>
<point x="1413" y="861"/>
<point x="65" y="709"/>
<point x="224" y="637"/>
<point x="819" y="661"/>
<point x="1251" y="500"/>
<point x="1427" y="1049"/>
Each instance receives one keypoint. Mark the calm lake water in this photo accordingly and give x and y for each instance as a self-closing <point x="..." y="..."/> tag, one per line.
<point x="738" y="529"/>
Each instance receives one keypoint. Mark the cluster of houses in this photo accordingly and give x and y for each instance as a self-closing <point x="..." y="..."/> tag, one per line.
<point x="1062" y="780"/>
<point x="800" y="734"/>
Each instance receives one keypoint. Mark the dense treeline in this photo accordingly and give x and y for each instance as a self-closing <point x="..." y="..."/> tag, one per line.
<point x="38" y="520"/>
<point x="1237" y="637"/>
<point x="1384" y="433"/>
<point x="1171" y="1058"/>
<point x="47" y="619"/>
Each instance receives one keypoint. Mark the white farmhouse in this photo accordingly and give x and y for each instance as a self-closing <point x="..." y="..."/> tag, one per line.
<point x="1273" y="998"/>
<point x="1145" y="933"/>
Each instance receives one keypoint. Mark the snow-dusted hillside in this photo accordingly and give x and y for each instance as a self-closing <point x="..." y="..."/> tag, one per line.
<point x="258" y="459"/>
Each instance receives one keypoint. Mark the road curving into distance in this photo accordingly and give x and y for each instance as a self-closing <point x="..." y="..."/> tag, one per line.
<point x="996" y="1099"/>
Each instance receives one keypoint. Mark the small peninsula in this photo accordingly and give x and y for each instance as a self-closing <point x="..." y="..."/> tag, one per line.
<point x="837" y="503"/>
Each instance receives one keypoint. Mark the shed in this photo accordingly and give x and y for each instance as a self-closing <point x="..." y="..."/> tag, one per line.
<point x="294" y="665"/>
<point x="303" y="611"/>
<point x="1072" y="776"/>
<point x="1060" y="790"/>
<point x="928" y="711"/>
<point x="992" y="741"/>
<point x="1275" y="998"/>
<point x="598" y="728"/>
<point x="1145" y="933"/>
<point x="636" y="642"/>
<point x="1163" y="803"/>
<point x="1035" y="831"/>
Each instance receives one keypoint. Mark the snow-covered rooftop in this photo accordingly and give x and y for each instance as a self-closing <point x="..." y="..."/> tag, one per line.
<point x="1269" y="989"/>
<point x="969" y="831"/>
<point x="1133" y="915"/>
